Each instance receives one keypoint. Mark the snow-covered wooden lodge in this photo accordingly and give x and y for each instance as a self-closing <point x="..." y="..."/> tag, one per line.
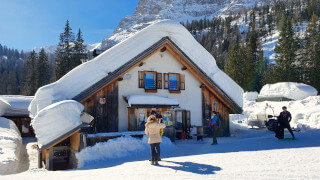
<point x="15" y="108"/>
<point x="162" y="68"/>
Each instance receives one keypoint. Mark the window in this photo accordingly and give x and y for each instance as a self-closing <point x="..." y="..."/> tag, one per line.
<point x="174" y="82"/>
<point x="150" y="80"/>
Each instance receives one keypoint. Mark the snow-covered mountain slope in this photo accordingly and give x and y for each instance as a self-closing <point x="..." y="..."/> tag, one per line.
<point x="53" y="48"/>
<point x="149" y="11"/>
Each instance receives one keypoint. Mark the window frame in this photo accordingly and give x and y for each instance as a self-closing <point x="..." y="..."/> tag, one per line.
<point x="154" y="80"/>
<point x="178" y="82"/>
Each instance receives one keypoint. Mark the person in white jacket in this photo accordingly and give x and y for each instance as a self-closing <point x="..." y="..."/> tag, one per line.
<point x="153" y="130"/>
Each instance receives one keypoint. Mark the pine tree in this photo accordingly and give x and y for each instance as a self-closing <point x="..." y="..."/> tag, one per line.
<point x="80" y="50"/>
<point x="30" y="83"/>
<point x="285" y="70"/>
<point x="64" y="52"/>
<point x="312" y="50"/>
<point x="42" y="74"/>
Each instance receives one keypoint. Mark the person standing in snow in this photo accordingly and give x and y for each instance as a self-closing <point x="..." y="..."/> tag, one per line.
<point x="284" y="122"/>
<point x="153" y="130"/>
<point x="212" y="125"/>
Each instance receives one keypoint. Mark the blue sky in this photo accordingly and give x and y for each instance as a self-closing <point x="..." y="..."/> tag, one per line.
<point x="26" y="24"/>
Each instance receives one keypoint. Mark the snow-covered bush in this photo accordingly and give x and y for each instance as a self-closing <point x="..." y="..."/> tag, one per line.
<point x="290" y="90"/>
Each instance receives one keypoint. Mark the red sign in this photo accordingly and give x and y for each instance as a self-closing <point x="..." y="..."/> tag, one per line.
<point x="102" y="100"/>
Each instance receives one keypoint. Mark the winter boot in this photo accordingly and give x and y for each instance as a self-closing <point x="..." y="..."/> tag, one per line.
<point x="156" y="162"/>
<point x="152" y="163"/>
<point x="159" y="159"/>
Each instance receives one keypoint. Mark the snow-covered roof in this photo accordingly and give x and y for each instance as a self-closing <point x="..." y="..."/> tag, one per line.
<point x="89" y="73"/>
<point x="10" y="144"/>
<point x="14" y="105"/>
<point x="290" y="90"/>
<point x="56" y="120"/>
<point x="138" y="99"/>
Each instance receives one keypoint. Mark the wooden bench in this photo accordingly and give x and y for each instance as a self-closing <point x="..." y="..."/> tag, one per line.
<point x="200" y="136"/>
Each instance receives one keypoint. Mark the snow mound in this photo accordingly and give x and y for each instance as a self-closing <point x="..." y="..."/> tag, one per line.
<point x="10" y="146"/>
<point x="250" y="96"/>
<point x="14" y="105"/>
<point x="290" y="90"/>
<point x="305" y="113"/>
<point x="151" y="99"/>
<point x="56" y="120"/>
<point x="81" y="77"/>
<point x="120" y="149"/>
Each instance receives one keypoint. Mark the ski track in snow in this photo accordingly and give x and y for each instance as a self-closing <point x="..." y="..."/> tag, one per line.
<point x="254" y="155"/>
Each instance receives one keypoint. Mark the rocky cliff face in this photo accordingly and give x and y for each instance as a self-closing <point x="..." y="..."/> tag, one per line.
<point x="151" y="11"/>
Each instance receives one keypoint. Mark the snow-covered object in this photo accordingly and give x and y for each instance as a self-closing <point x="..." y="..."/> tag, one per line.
<point x="250" y="96"/>
<point x="150" y="100"/>
<point x="10" y="146"/>
<point x="85" y="75"/>
<point x="120" y="149"/>
<point x="290" y="90"/>
<point x="56" y="120"/>
<point x="305" y="113"/>
<point x="14" y="105"/>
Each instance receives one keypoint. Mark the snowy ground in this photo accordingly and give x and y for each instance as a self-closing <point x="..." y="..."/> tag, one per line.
<point x="254" y="155"/>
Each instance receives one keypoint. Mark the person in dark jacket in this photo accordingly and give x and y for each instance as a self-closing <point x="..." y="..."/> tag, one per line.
<point x="284" y="122"/>
<point x="212" y="125"/>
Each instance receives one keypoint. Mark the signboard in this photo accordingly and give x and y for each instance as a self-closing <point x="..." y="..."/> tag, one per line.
<point x="102" y="100"/>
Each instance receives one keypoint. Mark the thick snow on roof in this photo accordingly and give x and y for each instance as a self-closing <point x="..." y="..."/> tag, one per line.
<point x="14" y="105"/>
<point x="55" y="120"/>
<point x="87" y="74"/>
<point x="10" y="145"/>
<point x="150" y="100"/>
<point x="290" y="90"/>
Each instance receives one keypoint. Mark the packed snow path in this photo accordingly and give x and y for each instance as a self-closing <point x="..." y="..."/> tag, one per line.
<point x="256" y="155"/>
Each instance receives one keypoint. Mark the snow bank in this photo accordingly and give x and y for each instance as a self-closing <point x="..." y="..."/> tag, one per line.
<point x="250" y="96"/>
<point x="56" y="120"/>
<point x="295" y="91"/>
<point x="14" y="105"/>
<point x="80" y="78"/>
<point x="10" y="146"/>
<point x="305" y="113"/>
<point x="151" y="99"/>
<point x="120" y="149"/>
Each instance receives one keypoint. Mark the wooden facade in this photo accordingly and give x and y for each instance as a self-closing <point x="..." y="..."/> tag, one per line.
<point x="23" y="124"/>
<point x="60" y="155"/>
<point x="211" y="103"/>
<point x="103" y="106"/>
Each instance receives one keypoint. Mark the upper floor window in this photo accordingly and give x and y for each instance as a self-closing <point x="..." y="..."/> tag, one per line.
<point x="151" y="81"/>
<point x="173" y="81"/>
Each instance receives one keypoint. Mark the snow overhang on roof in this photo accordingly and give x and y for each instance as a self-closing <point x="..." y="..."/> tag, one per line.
<point x="14" y="105"/>
<point x="144" y="101"/>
